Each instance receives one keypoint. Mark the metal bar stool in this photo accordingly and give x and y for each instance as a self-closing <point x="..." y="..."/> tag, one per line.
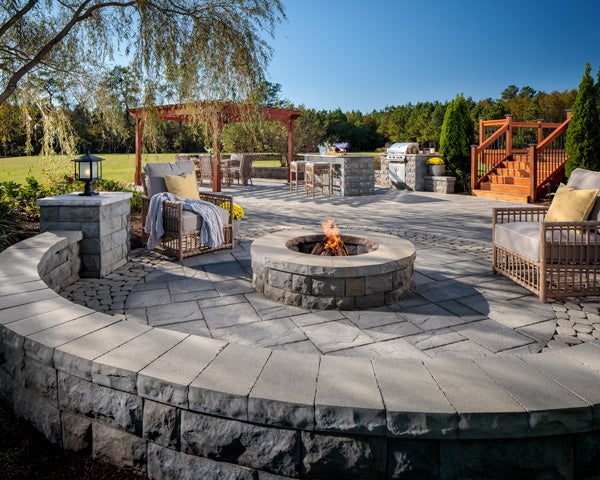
<point x="297" y="168"/>
<point x="317" y="175"/>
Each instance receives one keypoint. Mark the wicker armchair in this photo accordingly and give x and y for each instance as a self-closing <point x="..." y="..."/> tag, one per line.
<point x="181" y="237"/>
<point x="551" y="259"/>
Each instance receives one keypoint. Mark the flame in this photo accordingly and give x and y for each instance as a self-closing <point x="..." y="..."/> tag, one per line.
<point x="333" y="241"/>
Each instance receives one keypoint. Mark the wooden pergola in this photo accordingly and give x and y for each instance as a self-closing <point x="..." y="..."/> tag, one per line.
<point x="218" y="114"/>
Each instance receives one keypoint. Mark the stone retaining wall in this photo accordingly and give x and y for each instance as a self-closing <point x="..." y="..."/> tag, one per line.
<point x="172" y="405"/>
<point x="279" y="173"/>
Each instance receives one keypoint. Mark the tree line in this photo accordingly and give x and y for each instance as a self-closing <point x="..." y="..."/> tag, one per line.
<point x="110" y="129"/>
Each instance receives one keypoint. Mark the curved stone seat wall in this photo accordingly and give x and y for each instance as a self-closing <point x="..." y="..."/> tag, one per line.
<point x="165" y="403"/>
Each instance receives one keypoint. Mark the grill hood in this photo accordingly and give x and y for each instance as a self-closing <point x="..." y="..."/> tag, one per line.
<point x="403" y="148"/>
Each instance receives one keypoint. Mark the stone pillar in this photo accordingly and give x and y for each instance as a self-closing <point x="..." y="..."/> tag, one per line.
<point x="104" y="220"/>
<point x="416" y="169"/>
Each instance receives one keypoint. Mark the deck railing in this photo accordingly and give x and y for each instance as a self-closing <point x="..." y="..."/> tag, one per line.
<point x="548" y="167"/>
<point x="502" y="140"/>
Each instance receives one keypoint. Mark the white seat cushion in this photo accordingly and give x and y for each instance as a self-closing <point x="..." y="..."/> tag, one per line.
<point x="524" y="238"/>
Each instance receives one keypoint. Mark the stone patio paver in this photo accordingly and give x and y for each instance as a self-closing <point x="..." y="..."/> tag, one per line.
<point x="458" y="309"/>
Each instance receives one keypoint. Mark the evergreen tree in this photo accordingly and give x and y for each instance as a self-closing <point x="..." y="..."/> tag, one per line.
<point x="583" y="135"/>
<point x="456" y="138"/>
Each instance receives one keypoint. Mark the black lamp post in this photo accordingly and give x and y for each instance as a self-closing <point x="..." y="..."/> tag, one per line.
<point x="87" y="169"/>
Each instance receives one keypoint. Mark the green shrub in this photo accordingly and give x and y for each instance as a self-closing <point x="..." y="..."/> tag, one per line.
<point x="583" y="135"/>
<point x="136" y="201"/>
<point x="22" y="198"/>
<point x="456" y="138"/>
<point x="110" y="185"/>
<point x="7" y="236"/>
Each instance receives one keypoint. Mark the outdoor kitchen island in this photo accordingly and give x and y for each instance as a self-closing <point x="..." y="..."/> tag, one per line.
<point x="353" y="175"/>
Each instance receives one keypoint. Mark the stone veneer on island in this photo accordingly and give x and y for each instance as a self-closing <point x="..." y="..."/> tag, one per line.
<point x="353" y="175"/>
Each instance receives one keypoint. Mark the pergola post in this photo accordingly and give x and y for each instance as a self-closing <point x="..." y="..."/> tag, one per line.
<point x="217" y="127"/>
<point x="139" y="127"/>
<point x="289" y="123"/>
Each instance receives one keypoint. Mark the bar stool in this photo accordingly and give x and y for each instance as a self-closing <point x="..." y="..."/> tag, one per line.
<point x="297" y="168"/>
<point x="317" y="175"/>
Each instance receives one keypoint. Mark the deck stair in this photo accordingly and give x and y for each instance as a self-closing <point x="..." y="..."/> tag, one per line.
<point x="509" y="181"/>
<point x="518" y="161"/>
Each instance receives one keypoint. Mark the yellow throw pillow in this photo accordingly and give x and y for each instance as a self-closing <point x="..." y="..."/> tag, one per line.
<point x="182" y="185"/>
<point x="571" y="205"/>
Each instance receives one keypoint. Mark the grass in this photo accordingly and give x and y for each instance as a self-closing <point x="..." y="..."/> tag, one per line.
<point x="116" y="166"/>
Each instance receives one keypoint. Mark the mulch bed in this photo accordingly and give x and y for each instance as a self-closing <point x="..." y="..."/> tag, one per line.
<point x="24" y="452"/>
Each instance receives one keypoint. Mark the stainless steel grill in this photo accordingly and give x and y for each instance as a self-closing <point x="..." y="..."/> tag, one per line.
<point x="399" y="150"/>
<point x="396" y="155"/>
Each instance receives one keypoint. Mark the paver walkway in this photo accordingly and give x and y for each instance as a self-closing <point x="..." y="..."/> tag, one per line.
<point x="459" y="308"/>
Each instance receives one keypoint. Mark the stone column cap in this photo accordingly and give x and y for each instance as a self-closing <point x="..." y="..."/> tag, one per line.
<point x="76" y="200"/>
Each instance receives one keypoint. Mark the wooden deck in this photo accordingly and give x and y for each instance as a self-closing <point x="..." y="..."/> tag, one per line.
<point x="518" y="161"/>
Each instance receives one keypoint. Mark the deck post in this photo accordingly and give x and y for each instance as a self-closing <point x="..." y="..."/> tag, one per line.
<point x="509" y="135"/>
<point x="474" y="167"/>
<point x="533" y="168"/>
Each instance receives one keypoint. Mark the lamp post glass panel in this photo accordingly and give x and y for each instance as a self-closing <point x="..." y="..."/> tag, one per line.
<point x="87" y="169"/>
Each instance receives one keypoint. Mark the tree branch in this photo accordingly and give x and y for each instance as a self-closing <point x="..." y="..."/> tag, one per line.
<point x="80" y="14"/>
<point x="17" y="16"/>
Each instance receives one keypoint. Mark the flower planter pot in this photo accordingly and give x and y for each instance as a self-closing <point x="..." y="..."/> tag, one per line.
<point x="436" y="170"/>
<point x="236" y="227"/>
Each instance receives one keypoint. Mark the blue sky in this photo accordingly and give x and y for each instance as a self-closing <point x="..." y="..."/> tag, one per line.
<point x="369" y="54"/>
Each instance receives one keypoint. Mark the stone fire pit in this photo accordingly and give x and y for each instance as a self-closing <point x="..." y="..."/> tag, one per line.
<point x="378" y="271"/>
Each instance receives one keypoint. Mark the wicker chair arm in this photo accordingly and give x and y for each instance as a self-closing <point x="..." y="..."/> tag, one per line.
<point x="223" y="201"/>
<point x="518" y="214"/>
<point x="574" y="231"/>
<point x="570" y="242"/>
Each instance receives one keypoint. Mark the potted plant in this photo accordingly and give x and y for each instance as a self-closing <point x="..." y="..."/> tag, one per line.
<point x="238" y="214"/>
<point x="436" y="166"/>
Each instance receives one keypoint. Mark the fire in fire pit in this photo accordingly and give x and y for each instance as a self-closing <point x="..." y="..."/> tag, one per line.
<point x="333" y="244"/>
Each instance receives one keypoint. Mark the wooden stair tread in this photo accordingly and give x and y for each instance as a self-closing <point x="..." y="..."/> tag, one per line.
<point x="523" y="167"/>
<point x="505" y="188"/>
<point x="508" y="180"/>
<point x="501" y="196"/>
<point x="512" y="172"/>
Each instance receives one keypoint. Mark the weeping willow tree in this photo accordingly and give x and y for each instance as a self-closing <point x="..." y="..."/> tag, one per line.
<point x="53" y="54"/>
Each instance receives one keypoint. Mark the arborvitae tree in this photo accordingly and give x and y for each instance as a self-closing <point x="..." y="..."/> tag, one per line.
<point x="583" y="135"/>
<point x="456" y="138"/>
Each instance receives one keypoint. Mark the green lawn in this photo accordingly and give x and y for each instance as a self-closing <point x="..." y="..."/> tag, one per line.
<point x="115" y="166"/>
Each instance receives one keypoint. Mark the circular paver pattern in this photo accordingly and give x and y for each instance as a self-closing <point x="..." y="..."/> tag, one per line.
<point x="212" y="295"/>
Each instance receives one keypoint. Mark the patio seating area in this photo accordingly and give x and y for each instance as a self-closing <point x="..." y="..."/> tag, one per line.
<point x="459" y="308"/>
<point x="430" y="382"/>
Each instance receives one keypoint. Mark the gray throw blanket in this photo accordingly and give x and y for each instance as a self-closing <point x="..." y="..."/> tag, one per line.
<point x="211" y="228"/>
